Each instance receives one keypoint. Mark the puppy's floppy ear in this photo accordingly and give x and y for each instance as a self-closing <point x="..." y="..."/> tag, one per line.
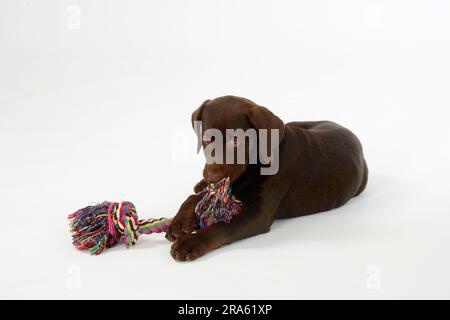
<point x="197" y="116"/>
<point x="262" y="118"/>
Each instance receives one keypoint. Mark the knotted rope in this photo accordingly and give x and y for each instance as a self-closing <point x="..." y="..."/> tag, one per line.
<point x="95" y="228"/>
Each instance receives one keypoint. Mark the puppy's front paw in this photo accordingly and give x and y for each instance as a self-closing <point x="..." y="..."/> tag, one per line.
<point x="188" y="248"/>
<point x="181" y="225"/>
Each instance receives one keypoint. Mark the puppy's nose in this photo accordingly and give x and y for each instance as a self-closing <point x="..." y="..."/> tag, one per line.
<point x="214" y="177"/>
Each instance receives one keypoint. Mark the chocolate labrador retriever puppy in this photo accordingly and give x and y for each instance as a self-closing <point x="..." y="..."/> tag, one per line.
<point x="321" y="167"/>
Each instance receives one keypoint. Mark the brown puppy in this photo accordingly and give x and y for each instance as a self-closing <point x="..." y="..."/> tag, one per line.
<point x="321" y="167"/>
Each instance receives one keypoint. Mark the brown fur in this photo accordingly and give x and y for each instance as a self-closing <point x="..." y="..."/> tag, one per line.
<point x="322" y="166"/>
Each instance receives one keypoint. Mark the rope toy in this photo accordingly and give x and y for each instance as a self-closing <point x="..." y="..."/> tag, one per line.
<point x="97" y="227"/>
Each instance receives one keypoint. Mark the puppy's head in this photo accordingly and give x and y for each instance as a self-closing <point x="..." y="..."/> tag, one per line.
<point x="228" y="154"/>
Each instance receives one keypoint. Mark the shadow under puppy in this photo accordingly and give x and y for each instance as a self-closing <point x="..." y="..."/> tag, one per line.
<point x="320" y="167"/>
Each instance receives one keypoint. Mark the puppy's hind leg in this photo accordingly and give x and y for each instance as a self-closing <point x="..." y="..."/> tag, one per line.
<point x="364" y="180"/>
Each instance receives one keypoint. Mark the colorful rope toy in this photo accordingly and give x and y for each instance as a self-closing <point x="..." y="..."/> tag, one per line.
<point x="102" y="226"/>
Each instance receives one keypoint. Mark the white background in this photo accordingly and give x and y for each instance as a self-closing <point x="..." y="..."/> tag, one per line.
<point x="96" y="106"/>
